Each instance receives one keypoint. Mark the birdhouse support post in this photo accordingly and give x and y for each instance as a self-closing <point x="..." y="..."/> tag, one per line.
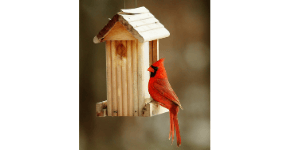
<point x="150" y="52"/>
<point x="155" y="50"/>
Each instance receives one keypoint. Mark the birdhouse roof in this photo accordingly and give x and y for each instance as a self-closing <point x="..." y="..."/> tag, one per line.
<point x="139" y="22"/>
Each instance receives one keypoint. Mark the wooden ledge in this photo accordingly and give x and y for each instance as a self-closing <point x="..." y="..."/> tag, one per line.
<point x="150" y="109"/>
<point x="153" y="108"/>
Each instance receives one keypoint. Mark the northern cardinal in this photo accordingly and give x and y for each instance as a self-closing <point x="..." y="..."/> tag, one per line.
<point x="162" y="92"/>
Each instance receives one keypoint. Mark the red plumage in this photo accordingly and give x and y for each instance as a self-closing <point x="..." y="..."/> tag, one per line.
<point x="162" y="92"/>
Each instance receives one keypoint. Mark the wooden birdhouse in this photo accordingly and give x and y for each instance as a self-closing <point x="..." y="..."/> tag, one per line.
<point x="131" y="38"/>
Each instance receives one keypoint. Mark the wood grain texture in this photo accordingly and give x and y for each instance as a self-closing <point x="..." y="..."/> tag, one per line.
<point x="114" y="78"/>
<point x="147" y="33"/>
<point x="118" y="32"/>
<point x="155" y="51"/>
<point x="119" y="46"/>
<point x="150" y="52"/>
<point x="135" y="80"/>
<point x="142" y="26"/>
<point x="141" y="78"/>
<point x="100" y="36"/>
<point x="130" y="80"/>
<point x="124" y="78"/>
<point x="152" y="108"/>
<point x="108" y="78"/>
<point x="155" y="34"/>
<point x="148" y="27"/>
<point x="146" y="66"/>
<point x="144" y="22"/>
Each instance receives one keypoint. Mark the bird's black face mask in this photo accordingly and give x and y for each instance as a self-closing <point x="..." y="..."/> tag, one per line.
<point x="153" y="73"/>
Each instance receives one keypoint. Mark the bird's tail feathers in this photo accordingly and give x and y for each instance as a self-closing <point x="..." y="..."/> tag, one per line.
<point x="177" y="130"/>
<point x="171" y="126"/>
<point x="175" y="123"/>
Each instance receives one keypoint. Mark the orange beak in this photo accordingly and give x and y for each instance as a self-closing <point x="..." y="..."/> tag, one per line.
<point x="150" y="69"/>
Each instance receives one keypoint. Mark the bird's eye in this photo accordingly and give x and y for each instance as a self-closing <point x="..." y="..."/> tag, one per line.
<point x="155" y="68"/>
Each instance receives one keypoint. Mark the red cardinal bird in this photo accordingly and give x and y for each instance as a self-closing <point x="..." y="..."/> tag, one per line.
<point x="162" y="92"/>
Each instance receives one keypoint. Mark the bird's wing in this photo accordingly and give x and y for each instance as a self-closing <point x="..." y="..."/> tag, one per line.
<point x="164" y="88"/>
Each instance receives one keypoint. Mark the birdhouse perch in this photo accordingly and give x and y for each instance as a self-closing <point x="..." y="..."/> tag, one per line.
<point x="132" y="45"/>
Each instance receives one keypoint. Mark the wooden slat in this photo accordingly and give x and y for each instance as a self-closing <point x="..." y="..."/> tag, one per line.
<point x="129" y="76"/>
<point x="153" y="108"/>
<point x="141" y="77"/>
<point x="119" y="77"/>
<point x="146" y="66"/>
<point x="114" y="78"/>
<point x="131" y="18"/>
<point x="148" y="27"/>
<point x="134" y="75"/>
<point x="124" y="78"/>
<point x="150" y="52"/>
<point x="142" y="26"/>
<point x="108" y="78"/>
<point x="136" y="10"/>
<point x="143" y="22"/>
<point x="154" y="34"/>
<point x="145" y="34"/>
<point x="155" y="51"/>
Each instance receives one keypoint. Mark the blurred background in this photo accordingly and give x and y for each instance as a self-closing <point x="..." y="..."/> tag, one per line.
<point x="187" y="53"/>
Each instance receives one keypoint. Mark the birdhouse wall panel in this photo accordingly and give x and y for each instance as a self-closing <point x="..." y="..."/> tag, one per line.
<point x="119" y="48"/>
<point x="134" y="77"/>
<point x="114" y="79"/>
<point x="108" y="78"/>
<point x="114" y="105"/>
<point x="123" y="46"/>
<point x="141" y="77"/>
<point x="121" y="75"/>
<point x="146" y="66"/>
<point x="129" y="78"/>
